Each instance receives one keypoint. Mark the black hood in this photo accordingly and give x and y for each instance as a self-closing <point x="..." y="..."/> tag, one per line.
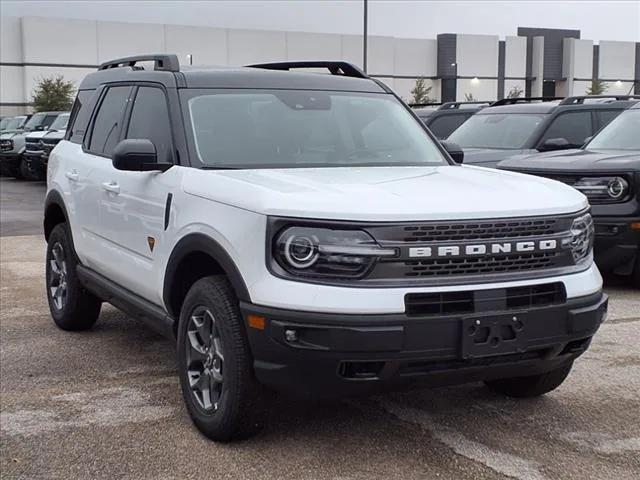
<point x="487" y="157"/>
<point x="575" y="160"/>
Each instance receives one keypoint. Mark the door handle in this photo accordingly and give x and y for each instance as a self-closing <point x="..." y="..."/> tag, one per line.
<point x="72" y="175"/>
<point x="112" y="187"/>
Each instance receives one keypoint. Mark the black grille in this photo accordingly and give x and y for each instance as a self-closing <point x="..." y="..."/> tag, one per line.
<point x="478" y="230"/>
<point x="440" y="268"/>
<point x="32" y="145"/>
<point x="474" y="266"/>
<point x="452" y="303"/>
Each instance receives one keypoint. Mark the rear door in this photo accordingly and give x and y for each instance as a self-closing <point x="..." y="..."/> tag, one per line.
<point x="89" y="174"/>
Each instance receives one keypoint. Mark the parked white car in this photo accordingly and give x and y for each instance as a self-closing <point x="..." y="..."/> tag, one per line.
<point x="306" y="233"/>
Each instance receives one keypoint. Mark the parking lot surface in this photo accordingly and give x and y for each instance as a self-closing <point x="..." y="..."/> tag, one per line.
<point x="106" y="403"/>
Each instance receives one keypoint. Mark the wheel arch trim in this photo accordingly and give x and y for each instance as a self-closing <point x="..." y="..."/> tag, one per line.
<point x="201" y="243"/>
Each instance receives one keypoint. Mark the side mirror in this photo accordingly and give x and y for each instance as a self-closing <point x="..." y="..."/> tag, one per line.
<point x="137" y="155"/>
<point x="551" y="144"/>
<point x="454" y="150"/>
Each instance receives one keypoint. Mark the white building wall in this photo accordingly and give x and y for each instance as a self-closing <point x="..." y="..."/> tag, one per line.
<point x="537" y="66"/>
<point x="416" y="58"/>
<point x="481" y="89"/>
<point x="207" y="46"/>
<point x="381" y="56"/>
<point x="59" y="40"/>
<point x="11" y="40"/>
<point x="617" y="60"/>
<point x="352" y="49"/>
<point x="515" y="57"/>
<point x="477" y="55"/>
<point x="254" y="46"/>
<point x="313" y="46"/>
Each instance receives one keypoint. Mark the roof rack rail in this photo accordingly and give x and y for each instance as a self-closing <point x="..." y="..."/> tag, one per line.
<point x="513" y="101"/>
<point x="335" y="68"/>
<point x="428" y="104"/>
<point x="456" y="105"/>
<point x="162" y="61"/>
<point x="579" y="99"/>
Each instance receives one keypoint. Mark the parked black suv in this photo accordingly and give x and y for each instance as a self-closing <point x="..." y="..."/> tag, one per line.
<point x="607" y="171"/>
<point x="515" y="126"/>
<point x="443" y="118"/>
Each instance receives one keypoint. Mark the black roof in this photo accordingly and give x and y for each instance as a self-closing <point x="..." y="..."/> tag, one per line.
<point x="343" y="76"/>
<point x="550" y="106"/>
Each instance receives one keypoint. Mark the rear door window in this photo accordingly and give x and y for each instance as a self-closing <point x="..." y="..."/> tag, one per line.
<point x="107" y="125"/>
<point x="574" y="127"/>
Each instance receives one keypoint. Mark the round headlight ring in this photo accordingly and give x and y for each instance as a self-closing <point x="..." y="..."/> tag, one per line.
<point x="301" y="251"/>
<point x="617" y="188"/>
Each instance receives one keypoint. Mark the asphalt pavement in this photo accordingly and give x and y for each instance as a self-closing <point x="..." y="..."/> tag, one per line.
<point x="106" y="403"/>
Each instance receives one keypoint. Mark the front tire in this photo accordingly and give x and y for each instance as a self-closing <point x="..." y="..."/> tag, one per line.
<point x="531" y="386"/>
<point x="215" y="365"/>
<point x="72" y="307"/>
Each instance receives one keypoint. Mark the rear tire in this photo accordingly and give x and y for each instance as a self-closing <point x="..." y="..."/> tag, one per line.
<point x="72" y="307"/>
<point x="530" y="386"/>
<point x="215" y="364"/>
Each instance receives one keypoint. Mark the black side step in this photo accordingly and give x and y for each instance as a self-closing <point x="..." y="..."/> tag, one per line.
<point x="130" y="303"/>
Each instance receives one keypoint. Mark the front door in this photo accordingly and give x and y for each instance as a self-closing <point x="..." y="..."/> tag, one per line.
<point x="133" y="204"/>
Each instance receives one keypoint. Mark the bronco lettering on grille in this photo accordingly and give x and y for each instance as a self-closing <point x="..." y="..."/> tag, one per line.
<point x="483" y="249"/>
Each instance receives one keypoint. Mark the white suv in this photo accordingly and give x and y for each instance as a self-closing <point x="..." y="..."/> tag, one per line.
<point x="306" y="233"/>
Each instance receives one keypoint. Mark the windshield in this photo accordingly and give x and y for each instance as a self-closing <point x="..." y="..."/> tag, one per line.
<point x="295" y="128"/>
<point x="61" y="122"/>
<point x="623" y="133"/>
<point x="34" y="121"/>
<point x="15" y="123"/>
<point x="3" y="123"/>
<point x="496" y="130"/>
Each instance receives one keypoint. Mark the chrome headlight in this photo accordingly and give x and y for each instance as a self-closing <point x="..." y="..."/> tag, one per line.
<point x="603" y="189"/>
<point x="324" y="252"/>
<point x="581" y="236"/>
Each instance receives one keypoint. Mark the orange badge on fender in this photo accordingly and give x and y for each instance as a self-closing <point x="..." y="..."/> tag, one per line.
<point x="152" y="243"/>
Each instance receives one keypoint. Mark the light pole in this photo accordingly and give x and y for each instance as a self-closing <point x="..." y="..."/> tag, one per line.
<point x="364" y="39"/>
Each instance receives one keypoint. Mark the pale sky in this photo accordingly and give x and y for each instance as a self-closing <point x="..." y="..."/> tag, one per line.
<point x="597" y="20"/>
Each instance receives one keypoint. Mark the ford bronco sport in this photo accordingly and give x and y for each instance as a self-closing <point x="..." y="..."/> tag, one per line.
<point x="515" y="126"/>
<point x="607" y="171"/>
<point x="306" y="233"/>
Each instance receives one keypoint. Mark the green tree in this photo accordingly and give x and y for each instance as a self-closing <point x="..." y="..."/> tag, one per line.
<point x="53" y="94"/>
<point x="515" y="92"/>
<point x="468" y="97"/>
<point x="420" y="92"/>
<point x="598" y="87"/>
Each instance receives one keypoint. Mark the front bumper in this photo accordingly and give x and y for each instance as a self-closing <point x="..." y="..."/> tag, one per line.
<point x="334" y="355"/>
<point x="10" y="162"/>
<point x="617" y="245"/>
<point x="36" y="163"/>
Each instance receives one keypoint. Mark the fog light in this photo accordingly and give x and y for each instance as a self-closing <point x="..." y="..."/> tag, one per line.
<point x="291" y="336"/>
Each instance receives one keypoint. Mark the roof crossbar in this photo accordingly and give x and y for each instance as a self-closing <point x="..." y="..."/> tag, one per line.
<point x="335" y="68"/>
<point x="162" y="61"/>
<point x="579" y="99"/>
<point x="457" y="105"/>
<point x="513" y="101"/>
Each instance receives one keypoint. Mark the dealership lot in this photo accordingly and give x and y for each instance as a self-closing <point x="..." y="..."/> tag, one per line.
<point x="106" y="403"/>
